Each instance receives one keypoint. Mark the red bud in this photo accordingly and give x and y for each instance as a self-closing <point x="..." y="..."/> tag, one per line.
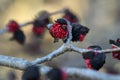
<point x="81" y="38"/>
<point x="88" y="65"/>
<point x="12" y="26"/>
<point x="64" y="75"/>
<point x="38" y="30"/>
<point x="116" y="54"/>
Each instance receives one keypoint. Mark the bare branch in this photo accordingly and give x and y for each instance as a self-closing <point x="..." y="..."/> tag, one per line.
<point x="21" y="64"/>
<point x="90" y="74"/>
<point x="17" y="63"/>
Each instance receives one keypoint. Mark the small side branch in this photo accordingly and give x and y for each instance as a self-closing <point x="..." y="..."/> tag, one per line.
<point x="69" y="47"/>
<point x="79" y="50"/>
<point x="57" y="12"/>
<point x="51" y="55"/>
<point x="25" y="24"/>
<point x="5" y="29"/>
<point x="108" y="50"/>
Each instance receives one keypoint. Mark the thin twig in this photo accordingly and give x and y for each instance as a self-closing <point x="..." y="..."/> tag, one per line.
<point x="69" y="27"/>
<point x="51" y="55"/>
<point x="108" y="50"/>
<point x="57" y="12"/>
<point x="64" y="48"/>
<point x="4" y="30"/>
<point x="27" y="23"/>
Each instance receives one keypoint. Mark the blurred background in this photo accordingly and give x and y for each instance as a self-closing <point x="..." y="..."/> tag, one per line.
<point x="101" y="16"/>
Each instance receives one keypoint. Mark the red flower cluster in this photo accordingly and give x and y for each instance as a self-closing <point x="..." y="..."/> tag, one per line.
<point x="13" y="26"/>
<point x="94" y="60"/>
<point x="40" y="23"/>
<point x="116" y="54"/>
<point x="59" y="29"/>
<point x="38" y="31"/>
<point x="38" y="28"/>
<point x="79" y="32"/>
<point x="18" y="34"/>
